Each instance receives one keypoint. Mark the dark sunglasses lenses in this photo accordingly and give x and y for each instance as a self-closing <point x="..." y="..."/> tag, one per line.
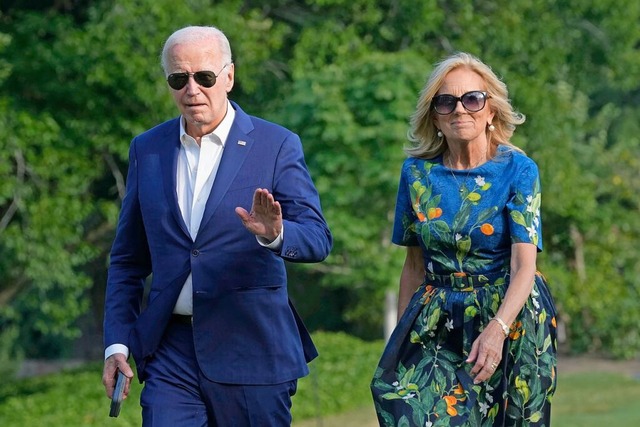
<point x="179" y="80"/>
<point x="471" y="101"/>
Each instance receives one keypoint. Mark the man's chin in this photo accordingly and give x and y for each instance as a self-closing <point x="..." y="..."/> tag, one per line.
<point x="196" y="119"/>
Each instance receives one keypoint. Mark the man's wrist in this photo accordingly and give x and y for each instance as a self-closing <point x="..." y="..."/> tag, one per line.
<point x="116" y="348"/>
<point x="274" y="245"/>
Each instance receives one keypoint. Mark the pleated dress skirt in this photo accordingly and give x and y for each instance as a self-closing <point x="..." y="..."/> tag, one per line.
<point x="423" y="380"/>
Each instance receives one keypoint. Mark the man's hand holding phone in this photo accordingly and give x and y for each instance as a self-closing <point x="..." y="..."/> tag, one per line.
<point x="118" y="395"/>
<point x="116" y="378"/>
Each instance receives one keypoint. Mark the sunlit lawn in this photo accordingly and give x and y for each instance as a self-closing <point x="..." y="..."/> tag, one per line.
<point x="596" y="399"/>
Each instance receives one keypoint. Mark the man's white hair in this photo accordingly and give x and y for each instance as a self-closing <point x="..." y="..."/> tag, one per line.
<point x="194" y="34"/>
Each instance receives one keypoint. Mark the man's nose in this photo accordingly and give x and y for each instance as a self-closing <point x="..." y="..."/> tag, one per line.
<point x="192" y="86"/>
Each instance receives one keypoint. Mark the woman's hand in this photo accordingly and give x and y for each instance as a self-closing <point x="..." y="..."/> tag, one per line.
<point x="486" y="352"/>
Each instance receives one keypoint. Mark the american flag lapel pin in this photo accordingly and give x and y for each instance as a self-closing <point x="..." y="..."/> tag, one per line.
<point x="241" y="142"/>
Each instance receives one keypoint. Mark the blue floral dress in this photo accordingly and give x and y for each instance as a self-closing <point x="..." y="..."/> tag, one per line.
<point x="465" y="222"/>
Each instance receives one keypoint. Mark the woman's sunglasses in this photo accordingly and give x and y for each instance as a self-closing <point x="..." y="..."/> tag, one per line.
<point x="471" y="101"/>
<point x="204" y="78"/>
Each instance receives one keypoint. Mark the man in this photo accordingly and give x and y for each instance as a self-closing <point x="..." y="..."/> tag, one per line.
<point x="218" y="342"/>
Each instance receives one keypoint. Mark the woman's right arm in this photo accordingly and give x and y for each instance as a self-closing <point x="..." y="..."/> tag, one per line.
<point x="411" y="277"/>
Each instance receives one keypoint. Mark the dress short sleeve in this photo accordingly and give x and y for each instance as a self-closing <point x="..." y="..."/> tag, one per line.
<point x="404" y="226"/>
<point x="523" y="207"/>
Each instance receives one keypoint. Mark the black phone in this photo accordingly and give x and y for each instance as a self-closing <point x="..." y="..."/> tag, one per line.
<point x="118" y="395"/>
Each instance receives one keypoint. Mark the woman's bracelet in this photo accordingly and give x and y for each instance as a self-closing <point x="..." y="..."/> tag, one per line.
<point x="505" y="328"/>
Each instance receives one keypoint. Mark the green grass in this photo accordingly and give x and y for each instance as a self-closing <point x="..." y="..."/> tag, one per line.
<point x="339" y="381"/>
<point x="337" y="390"/>
<point x="595" y="399"/>
<point x="71" y="398"/>
<point x="339" y="378"/>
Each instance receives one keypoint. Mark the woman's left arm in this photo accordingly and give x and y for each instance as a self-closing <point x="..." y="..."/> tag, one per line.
<point x="523" y="270"/>
<point x="486" y="350"/>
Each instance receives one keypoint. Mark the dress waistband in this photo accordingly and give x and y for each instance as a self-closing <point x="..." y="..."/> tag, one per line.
<point x="465" y="282"/>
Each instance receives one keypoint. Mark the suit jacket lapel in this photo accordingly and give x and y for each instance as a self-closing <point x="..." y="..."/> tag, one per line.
<point x="235" y="152"/>
<point x="169" y="163"/>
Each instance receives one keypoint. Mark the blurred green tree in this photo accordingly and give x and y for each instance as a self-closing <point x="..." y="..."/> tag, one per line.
<point x="76" y="84"/>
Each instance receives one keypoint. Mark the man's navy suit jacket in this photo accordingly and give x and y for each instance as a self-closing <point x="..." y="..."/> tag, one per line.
<point x="245" y="329"/>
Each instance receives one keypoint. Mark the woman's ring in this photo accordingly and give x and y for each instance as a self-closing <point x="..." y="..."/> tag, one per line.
<point x="493" y="366"/>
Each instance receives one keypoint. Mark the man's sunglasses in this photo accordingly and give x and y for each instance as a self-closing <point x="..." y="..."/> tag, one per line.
<point x="471" y="101"/>
<point x="204" y="78"/>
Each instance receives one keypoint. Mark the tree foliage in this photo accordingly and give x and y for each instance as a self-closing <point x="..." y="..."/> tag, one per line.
<point x="77" y="84"/>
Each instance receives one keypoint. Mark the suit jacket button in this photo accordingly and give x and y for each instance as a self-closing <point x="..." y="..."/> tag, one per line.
<point x="291" y="252"/>
<point x="195" y="252"/>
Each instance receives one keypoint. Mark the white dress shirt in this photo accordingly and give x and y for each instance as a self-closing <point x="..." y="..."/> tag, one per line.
<point x="197" y="168"/>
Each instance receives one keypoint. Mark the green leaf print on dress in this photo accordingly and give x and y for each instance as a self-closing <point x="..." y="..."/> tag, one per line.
<point x="427" y="210"/>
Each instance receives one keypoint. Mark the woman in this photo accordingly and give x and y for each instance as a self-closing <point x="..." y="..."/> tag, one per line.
<point x="475" y="344"/>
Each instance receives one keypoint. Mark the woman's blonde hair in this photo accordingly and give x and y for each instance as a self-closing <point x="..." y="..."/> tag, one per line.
<point x="423" y="133"/>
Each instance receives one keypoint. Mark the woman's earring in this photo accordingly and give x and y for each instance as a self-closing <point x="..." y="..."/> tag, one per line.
<point x="439" y="133"/>
<point x="491" y="128"/>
